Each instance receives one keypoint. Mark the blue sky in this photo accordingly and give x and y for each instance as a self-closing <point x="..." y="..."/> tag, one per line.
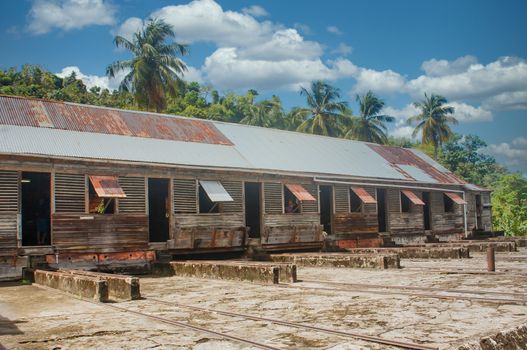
<point x="472" y="52"/>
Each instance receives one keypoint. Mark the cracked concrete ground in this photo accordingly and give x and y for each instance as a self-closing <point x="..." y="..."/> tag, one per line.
<point x="32" y="317"/>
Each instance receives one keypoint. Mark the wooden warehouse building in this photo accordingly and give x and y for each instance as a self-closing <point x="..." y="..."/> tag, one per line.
<point x="87" y="182"/>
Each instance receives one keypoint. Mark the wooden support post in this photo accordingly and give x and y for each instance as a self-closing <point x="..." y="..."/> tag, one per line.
<point x="491" y="259"/>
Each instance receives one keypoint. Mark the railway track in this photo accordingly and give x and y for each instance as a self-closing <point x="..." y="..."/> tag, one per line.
<point x="347" y="334"/>
<point x="383" y="291"/>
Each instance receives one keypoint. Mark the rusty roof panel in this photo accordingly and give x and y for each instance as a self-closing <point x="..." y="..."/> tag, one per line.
<point x="401" y="156"/>
<point x="84" y="118"/>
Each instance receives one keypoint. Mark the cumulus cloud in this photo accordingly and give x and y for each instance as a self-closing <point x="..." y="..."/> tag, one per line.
<point x="343" y="49"/>
<point x="129" y="27"/>
<point x="438" y="68"/>
<point x="255" y="11"/>
<point x="93" y="80"/>
<point x="513" y="155"/>
<point x="334" y="30"/>
<point x="405" y="132"/>
<point x="465" y="113"/>
<point x="386" y="81"/>
<point x="69" y="14"/>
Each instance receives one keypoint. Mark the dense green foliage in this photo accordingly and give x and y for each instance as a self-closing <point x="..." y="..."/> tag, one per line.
<point x="154" y="71"/>
<point x="509" y="205"/>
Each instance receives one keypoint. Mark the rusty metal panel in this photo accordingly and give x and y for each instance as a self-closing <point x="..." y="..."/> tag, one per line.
<point x="456" y="198"/>
<point x="401" y="156"/>
<point x="300" y="192"/>
<point x="107" y="186"/>
<point x="364" y="196"/>
<point x="70" y="116"/>
<point x="412" y="197"/>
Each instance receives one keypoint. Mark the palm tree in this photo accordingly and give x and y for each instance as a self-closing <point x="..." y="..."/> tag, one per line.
<point x="433" y="121"/>
<point x="325" y="110"/>
<point x="267" y="113"/>
<point x="154" y="70"/>
<point x="370" y="125"/>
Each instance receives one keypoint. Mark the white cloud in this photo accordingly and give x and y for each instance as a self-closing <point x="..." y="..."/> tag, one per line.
<point x="343" y="49"/>
<point x="401" y="115"/>
<point x="129" y="27"/>
<point x="69" y="14"/>
<point x="405" y="132"/>
<point x="93" y="80"/>
<point x="386" y="81"/>
<point x="438" y="68"/>
<point x="466" y="113"/>
<point x="513" y="155"/>
<point x="255" y="11"/>
<point x="205" y="20"/>
<point x="193" y="74"/>
<point x="334" y="30"/>
<point x="507" y="100"/>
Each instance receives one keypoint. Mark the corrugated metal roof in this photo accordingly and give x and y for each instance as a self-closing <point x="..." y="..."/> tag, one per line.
<point x="70" y="130"/>
<point x="70" y="116"/>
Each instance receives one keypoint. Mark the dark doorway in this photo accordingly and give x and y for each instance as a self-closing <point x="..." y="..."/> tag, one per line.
<point x="253" y="208"/>
<point x="326" y="207"/>
<point x="426" y="210"/>
<point x="36" y="209"/>
<point x="158" y="209"/>
<point x="381" y="209"/>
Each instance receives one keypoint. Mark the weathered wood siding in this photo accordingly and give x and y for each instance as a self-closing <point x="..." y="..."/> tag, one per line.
<point x="134" y="188"/>
<point x="486" y="214"/>
<point x="235" y="189"/>
<point x="8" y="212"/>
<point x="208" y="231"/>
<point x="311" y="206"/>
<point x="185" y="196"/>
<point x="291" y="228"/>
<point x="342" y="199"/>
<point x="470" y="197"/>
<point x="411" y="223"/>
<point x="445" y="223"/>
<point x="70" y="193"/>
<point x="273" y="198"/>
<point x="354" y="225"/>
<point x="103" y="233"/>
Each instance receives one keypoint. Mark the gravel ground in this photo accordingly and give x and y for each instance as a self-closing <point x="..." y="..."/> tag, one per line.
<point x="32" y="317"/>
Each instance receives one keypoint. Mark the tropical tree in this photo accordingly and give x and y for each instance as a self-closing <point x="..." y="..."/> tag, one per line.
<point x="509" y="205"/>
<point x="370" y="125"/>
<point x="326" y="113"/>
<point x="154" y="69"/>
<point x="433" y="121"/>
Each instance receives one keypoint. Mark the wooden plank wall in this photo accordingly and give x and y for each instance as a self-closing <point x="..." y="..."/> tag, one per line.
<point x="185" y="196"/>
<point x="134" y="188"/>
<point x="411" y="223"/>
<point x="311" y="207"/>
<point x="70" y="192"/>
<point x="235" y="189"/>
<point x="486" y="215"/>
<point x="342" y="199"/>
<point x="349" y="225"/>
<point x="208" y="230"/>
<point x="291" y="228"/>
<point x="470" y="197"/>
<point x="8" y="212"/>
<point x="273" y="200"/>
<point x="445" y="223"/>
<point x="103" y="233"/>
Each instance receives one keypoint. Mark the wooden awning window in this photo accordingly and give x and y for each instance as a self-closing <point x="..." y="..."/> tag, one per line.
<point x="364" y="196"/>
<point x="215" y="191"/>
<point x="412" y="197"/>
<point x="107" y="186"/>
<point x="456" y="198"/>
<point x="300" y="193"/>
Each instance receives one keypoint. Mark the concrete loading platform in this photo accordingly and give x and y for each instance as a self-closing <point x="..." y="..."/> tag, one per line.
<point x="374" y="261"/>
<point x="251" y="271"/>
<point x="96" y="286"/>
<point x="473" y="246"/>
<point x="417" y="252"/>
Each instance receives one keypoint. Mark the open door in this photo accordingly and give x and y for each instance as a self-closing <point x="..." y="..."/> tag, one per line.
<point x="426" y="210"/>
<point x="381" y="209"/>
<point x="253" y="212"/>
<point x="158" y="209"/>
<point x="326" y="207"/>
<point x="36" y="209"/>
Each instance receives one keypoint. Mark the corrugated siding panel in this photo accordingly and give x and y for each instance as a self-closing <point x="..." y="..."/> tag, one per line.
<point x="70" y="193"/>
<point x="185" y="196"/>
<point x="134" y="188"/>
<point x="342" y="201"/>
<point x="235" y="189"/>
<point x="273" y="198"/>
<point x="8" y="191"/>
<point x="311" y="206"/>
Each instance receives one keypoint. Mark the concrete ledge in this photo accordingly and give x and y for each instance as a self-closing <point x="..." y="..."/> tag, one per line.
<point x="515" y="338"/>
<point x="481" y="246"/>
<point x="418" y="252"/>
<point x="120" y="287"/>
<point x="87" y="287"/>
<point x="262" y="272"/>
<point x="375" y="261"/>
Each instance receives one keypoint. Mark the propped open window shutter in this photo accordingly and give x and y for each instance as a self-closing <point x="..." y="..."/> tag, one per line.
<point x="185" y="196"/>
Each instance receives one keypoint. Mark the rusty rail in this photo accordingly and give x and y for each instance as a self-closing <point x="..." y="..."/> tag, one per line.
<point x="373" y="339"/>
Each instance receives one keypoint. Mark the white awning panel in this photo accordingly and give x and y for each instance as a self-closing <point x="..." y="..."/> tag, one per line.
<point x="216" y="191"/>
